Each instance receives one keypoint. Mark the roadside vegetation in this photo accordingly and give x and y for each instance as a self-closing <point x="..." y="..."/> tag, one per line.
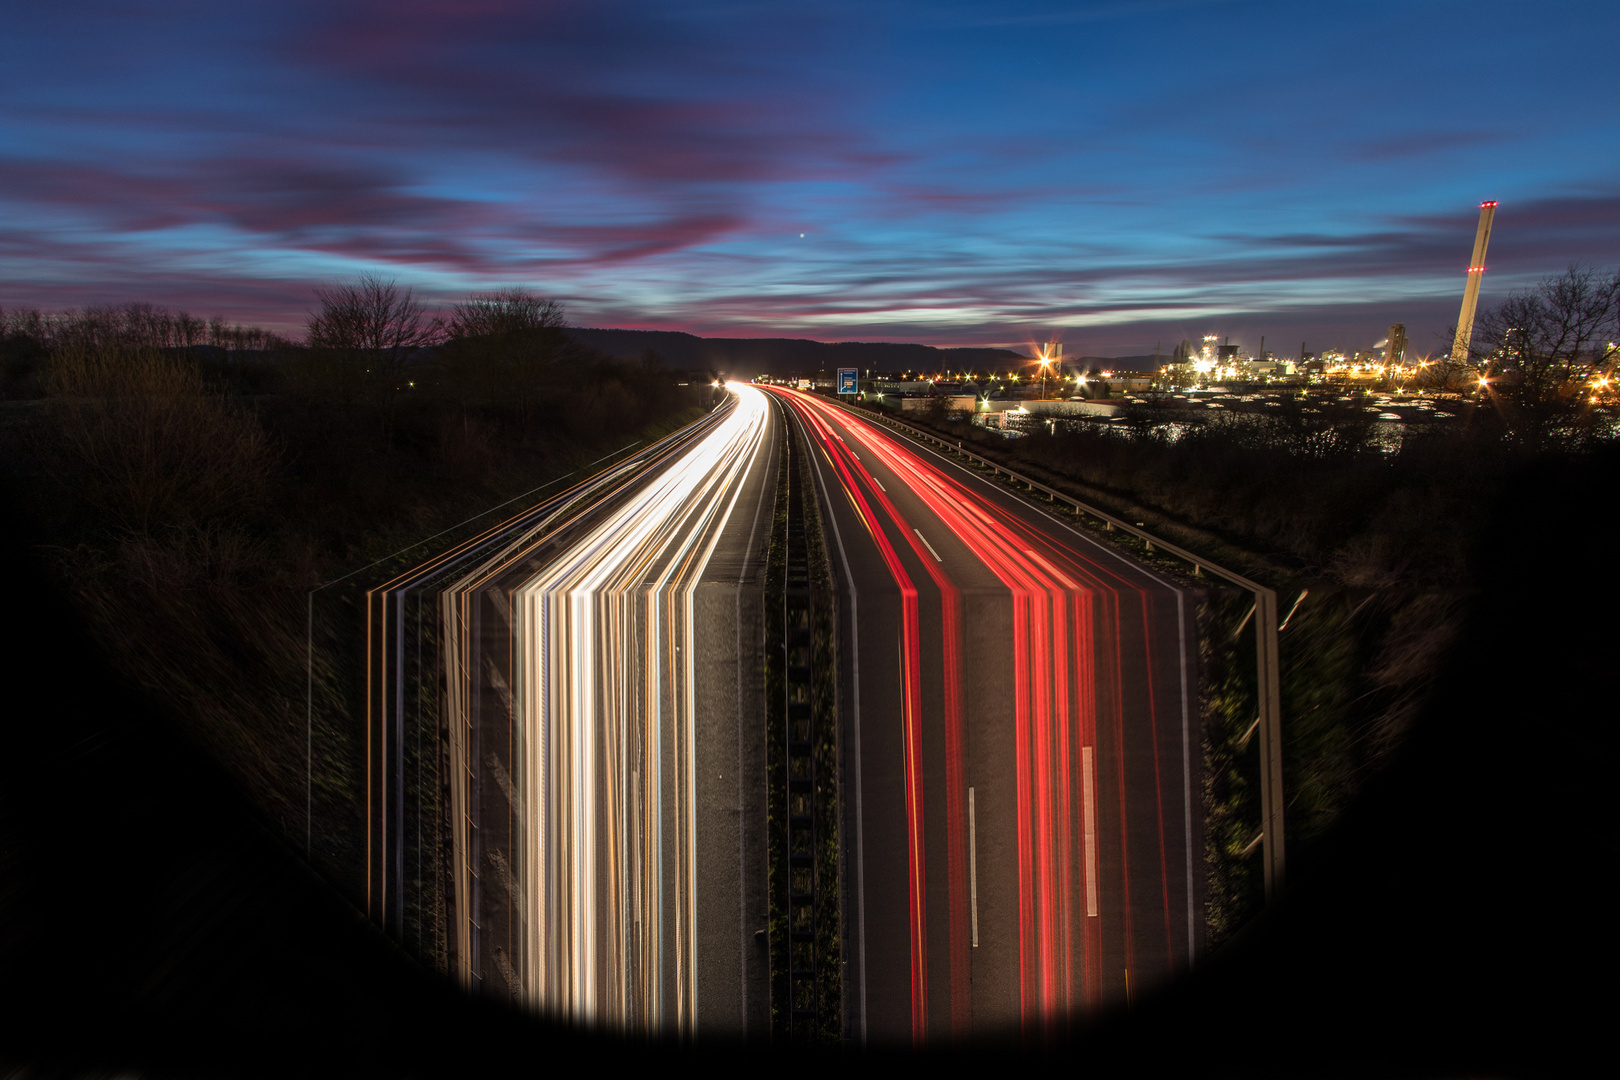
<point x="798" y="586"/>
<point x="191" y="481"/>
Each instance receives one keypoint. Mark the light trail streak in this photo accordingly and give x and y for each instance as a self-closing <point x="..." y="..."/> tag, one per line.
<point x="602" y="700"/>
<point x="911" y="718"/>
<point x="1066" y="611"/>
<point x="606" y="702"/>
<point x="386" y="682"/>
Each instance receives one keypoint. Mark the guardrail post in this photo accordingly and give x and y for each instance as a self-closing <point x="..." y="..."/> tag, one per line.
<point x="1267" y="669"/>
<point x="1271" y="765"/>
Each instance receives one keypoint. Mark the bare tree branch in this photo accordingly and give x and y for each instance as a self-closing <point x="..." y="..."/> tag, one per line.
<point x="506" y="311"/>
<point x="1541" y="352"/>
<point x="368" y="331"/>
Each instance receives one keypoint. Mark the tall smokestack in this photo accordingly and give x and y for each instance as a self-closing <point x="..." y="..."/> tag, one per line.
<point x="1476" y="270"/>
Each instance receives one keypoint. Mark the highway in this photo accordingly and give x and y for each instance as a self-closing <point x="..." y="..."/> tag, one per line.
<point x="609" y="795"/>
<point x="1016" y="744"/>
<point x="1020" y="758"/>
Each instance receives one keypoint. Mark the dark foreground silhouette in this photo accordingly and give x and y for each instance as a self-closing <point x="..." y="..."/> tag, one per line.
<point x="1453" y="927"/>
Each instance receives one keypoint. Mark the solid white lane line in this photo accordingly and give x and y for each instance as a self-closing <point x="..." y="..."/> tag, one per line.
<point x="733" y="483"/>
<point x="679" y="518"/>
<point x="929" y="546"/>
<point x="973" y="867"/>
<point x="1088" y="798"/>
<point x="766" y="460"/>
<point x="855" y="697"/>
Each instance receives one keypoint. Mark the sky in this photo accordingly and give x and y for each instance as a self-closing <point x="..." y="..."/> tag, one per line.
<point x="1114" y="175"/>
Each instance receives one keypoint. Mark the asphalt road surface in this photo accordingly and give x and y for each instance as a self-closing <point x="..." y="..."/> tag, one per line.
<point x="1019" y="731"/>
<point x="154" y="925"/>
<point x="610" y="871"/>
<point x="1016" y="727"/>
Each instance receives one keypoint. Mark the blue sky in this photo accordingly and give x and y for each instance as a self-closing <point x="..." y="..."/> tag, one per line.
<point x="1109" y="174"/>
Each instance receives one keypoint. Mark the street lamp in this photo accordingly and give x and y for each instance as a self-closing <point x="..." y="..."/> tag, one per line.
<point x="1046" y="361"/>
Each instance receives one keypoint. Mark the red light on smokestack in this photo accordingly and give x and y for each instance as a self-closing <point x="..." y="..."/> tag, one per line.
<point x="1476" y="273"/>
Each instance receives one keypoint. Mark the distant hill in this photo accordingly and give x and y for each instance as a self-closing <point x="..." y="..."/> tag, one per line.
<point x="746" y="357"/>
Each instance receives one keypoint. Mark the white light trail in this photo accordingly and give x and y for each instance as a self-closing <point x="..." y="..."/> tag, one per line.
<point x="603" y="702"/>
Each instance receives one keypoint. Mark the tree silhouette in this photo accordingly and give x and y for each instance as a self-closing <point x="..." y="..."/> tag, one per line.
<point x="365" y="334"/>
<point x="1540" y="353"/>
<point x="506" y="350"/>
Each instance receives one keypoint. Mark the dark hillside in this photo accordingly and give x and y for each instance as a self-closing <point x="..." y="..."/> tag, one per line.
<point x="747" y="357"/>
<point x="189" y="499"/>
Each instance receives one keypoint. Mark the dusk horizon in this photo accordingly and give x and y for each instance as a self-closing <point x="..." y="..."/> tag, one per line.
<point x="1109" y="176"/>
<point x="819" y="534"/>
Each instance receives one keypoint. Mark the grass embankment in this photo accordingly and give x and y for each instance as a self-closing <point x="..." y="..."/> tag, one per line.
<point x="1379" y="547"/>
<point x="1356" y="665"/>
<point x="190" y="499"/>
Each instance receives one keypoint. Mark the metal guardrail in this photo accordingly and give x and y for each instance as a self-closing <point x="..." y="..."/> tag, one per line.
<point x="414" y="746"/>
<point x="799" y="768"/>
<point x="806" y="920"/>
<point x="1267" y="667"/>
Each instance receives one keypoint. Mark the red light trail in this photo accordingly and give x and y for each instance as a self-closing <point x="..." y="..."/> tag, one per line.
<point x="1066" y="614"/>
